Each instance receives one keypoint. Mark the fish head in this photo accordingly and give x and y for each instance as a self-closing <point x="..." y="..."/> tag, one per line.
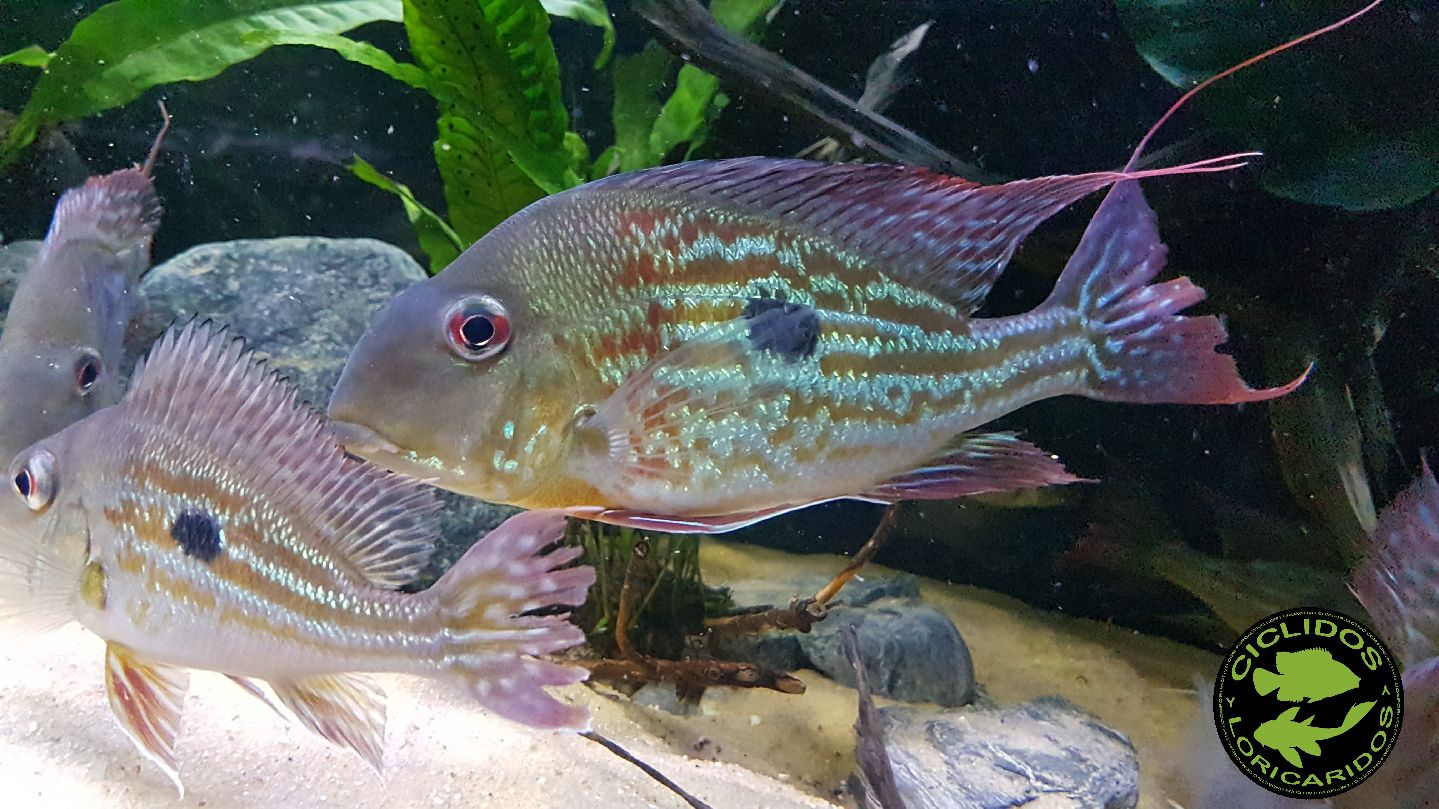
<point x="48" y="543"/>
<point x="48" y="386"/>
<point x="458" y="381"/>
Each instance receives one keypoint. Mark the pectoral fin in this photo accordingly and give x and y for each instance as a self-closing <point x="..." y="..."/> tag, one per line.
<point x="639" y="432"/>
<point x="1310" y="746"/>
<point x="347" y="709"/>
<point x="1291" y="756"/>
<point x="147" y="697"/>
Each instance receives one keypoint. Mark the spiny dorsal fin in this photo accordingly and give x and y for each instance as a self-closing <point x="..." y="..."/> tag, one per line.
<point x="946" y="236"/>
<point x="200" y="386"/>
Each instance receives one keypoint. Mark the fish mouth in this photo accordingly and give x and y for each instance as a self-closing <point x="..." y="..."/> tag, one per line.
<point x="366" y="442"/>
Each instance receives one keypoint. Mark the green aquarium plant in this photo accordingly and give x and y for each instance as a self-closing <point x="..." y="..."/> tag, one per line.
<point x="503" y="131"/>
<point x="1350" y="122"/>
<point x="667" y="599"/>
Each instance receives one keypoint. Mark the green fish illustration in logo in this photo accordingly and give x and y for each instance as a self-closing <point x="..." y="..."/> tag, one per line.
<point x="1287" y="736"/>
<point x="1311" y="674"/>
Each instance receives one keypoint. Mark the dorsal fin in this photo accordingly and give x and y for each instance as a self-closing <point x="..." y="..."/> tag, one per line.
<point x="201" y="386"/>
<point x="946" y="236"/>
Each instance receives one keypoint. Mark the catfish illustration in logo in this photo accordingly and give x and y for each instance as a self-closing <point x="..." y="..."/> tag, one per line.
<point x="1288" y="737"/>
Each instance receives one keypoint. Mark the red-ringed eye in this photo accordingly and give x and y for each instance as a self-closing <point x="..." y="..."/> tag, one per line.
<point x="477" y="328"/>
<point x="87" y="372"/>
<point x="33" y="478"/>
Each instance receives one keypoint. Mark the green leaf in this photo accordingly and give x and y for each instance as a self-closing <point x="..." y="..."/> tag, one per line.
<point x="361" y="53"/>
<point x="739" y="15"/>
<point x="129" y="46"/>
<point x="33" y="56"/>
<point x="1350" y="121"/>
<point x="593" y="12"/>
<point x="483" y="184"/>
<point x="638" y="80"/>
<point x="497" y="57"/>
<point x="685" y="113"/>
<point x="437" y="239"/>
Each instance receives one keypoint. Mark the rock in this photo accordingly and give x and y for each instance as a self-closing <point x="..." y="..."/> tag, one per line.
<point x="302" y="302"/>
<point x="14" y="258"/>
<point x="779" y="651"/>
<point x="1043" y="754"/>
<point x="911" y="651"/>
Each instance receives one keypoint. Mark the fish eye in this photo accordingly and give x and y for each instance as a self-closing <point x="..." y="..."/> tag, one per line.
<point x="477" y="328"/>
<point x="87" y="372"/>
<point x="34" y="479"/>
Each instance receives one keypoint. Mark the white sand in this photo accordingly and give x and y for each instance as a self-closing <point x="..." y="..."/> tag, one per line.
<point x="60" y="747"/>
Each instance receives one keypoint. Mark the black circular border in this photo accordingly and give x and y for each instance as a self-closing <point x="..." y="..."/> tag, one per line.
<point x="1238" y="646"/>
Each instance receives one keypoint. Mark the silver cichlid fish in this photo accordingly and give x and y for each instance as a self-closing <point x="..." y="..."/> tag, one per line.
<point x="697" y="347"/>
<point x="209" y="521"/>
<point x="61" y="350"/>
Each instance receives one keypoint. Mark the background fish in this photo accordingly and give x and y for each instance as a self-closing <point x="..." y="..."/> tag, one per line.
<point x="1397" y="582"/>
<point x="61" y="349"/>
<point x="210" y="521"/>
<point x="696" y="347"/>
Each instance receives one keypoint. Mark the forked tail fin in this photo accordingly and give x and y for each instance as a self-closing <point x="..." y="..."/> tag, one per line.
<point x="1143" y="351"/>
<point x="484" y="599"/>
<point x="1265" y="681"/>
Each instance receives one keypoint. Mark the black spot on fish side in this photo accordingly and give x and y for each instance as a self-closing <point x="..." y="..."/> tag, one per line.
<point x="197" y="535"/>
<point x="776" y="324"/>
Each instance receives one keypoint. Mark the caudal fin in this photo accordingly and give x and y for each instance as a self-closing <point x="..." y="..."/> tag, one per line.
<point x="1352" y="718"/>
<point x="484" y="599"/>
<point x="1265" y="681"/>
<point x="1143" y="350"/>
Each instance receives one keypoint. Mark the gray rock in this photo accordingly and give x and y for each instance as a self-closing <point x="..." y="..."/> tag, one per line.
<point x="301" y="302"/>
<point x="910" y="650"/>
<point x="1044" y="754"/>
<point x="14" y="258"/>
<point x="779" y="651"/>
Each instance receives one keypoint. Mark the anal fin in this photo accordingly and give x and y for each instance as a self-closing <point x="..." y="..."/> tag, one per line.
<point x="147" y="698"/>
<point x="253" y="689"/>
<point x="979" y="463"/>
<point x="347" y="709"/>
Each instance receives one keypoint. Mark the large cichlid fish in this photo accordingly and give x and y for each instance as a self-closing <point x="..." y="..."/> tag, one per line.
<point x="700" y="346"/>
<point x="715" y="342"/>
<point x="210" y="521"/>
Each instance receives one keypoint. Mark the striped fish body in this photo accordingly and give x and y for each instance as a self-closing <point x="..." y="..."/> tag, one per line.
<point x="716" y="342"/>
<point x="210" y="521"/>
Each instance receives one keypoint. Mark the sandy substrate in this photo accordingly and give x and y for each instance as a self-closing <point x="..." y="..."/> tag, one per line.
<point x="59" y="745"/>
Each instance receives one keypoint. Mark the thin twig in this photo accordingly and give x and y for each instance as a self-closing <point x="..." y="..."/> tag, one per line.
<point x="647" y="769"/>
<point x="622" y="618"/>
<point x="803" y="613"/>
